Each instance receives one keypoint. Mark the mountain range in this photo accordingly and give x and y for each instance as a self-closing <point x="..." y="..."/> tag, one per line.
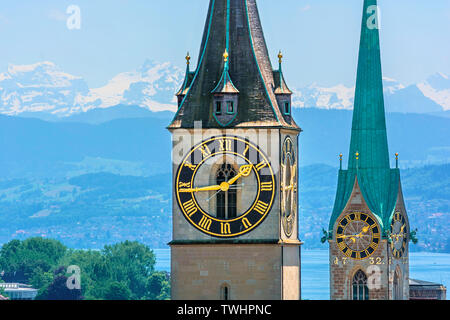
<point x="43" y="90"/>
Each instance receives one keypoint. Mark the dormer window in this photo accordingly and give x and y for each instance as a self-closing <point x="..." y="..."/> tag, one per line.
<point x="287" y="108"/>
<point x="226" y="97"/>
<point x="230" y="107"/>
<point x="218" y="107"/>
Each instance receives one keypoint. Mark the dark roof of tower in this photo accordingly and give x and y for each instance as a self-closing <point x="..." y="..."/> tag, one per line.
<point x="379" y="183"/>
<point x="233" y="26"/>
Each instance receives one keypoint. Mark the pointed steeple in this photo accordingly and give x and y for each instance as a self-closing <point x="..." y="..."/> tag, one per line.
<point x="232" y="26"/>
<point x="369" y="136"/>
<point x="186" y="82"/>
<point x="368" y="163"/>
<point x="280" y="84"/>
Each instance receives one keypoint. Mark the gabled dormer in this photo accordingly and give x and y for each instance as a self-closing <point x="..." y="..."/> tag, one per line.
<point x="186" y="83"/>
<point x="282" y="93"/>
<point x="225" y="97"/>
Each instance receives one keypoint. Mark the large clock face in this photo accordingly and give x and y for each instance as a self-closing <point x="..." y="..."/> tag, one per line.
<point x="358" y="235"/>
<point x="225" y="186"/>
<point x="288" y="187"/>
<point x="399" y="236"/>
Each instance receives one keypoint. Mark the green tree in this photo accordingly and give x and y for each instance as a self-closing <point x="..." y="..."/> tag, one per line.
<point x="58" y="289"/>
<point x="158" y="286"/>
<point x="21" y="260"/>
<point x="131" y="263"/>
<point x="117" y="291"/>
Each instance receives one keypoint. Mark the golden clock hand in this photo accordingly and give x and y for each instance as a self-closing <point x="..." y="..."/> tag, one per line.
<point x="210" y="188"/>
<point x="244" y="171"/>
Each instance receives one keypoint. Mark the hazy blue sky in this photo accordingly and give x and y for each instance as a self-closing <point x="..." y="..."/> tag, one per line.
<point x="319" y="37"/>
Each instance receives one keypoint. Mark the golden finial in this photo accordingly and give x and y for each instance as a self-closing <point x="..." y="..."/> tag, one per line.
<point x="396" y="160"/>
<point x="357" y="155"/>
<point x="340" y="160"/>
<point x="188" y="58"/>
<point x="225" y="56"/>
<point x="280" y="57"/>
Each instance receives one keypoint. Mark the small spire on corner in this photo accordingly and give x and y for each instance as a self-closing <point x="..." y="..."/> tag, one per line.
<point x="280" y="57"/>
<point x="188" y="58"/>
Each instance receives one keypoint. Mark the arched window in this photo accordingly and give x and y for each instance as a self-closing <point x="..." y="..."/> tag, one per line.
<point x="359" y="286"/>
<point x="226" y="201"/>
<point x="225" y="292"/>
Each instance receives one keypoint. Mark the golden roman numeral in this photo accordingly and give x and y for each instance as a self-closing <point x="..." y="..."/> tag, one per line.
<point x="357" y="216"/>
<point x="246" y="223"/>
<point x="205" y="150"/>
<point x="266" y="186"/>
<point x="373" y="245"/>
<point x="261" y="165"/>
<point x="246" y="150"/>
<point x="225" y="145"/>
<point x="189" y="207"/>
<point x="261" y="207"/>
<point x="225" y="228"/>
<point x="184" y="185"/>
<point x="205" y="223"/>
<point x="190" y="166"/>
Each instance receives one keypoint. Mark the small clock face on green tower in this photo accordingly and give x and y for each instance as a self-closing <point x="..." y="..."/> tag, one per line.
<point x="399" y="236"/>
<point x="225" y="186"/>
<point x="288" y="188"/>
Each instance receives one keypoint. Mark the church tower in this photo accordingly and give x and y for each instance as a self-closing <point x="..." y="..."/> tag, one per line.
<point x="369" y="228"/>
<point x="235" y="168"/>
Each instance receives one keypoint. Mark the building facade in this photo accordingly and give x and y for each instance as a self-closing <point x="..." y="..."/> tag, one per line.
<point x="235" y="172"/>
<point x="369" y="231"/>
<point x="18" y="291"/>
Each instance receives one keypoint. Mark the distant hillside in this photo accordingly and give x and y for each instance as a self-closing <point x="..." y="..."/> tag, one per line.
<point x="29" y="146"/>
<point x="90" y="210"/>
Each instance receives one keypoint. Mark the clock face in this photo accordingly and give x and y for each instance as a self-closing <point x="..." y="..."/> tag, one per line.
<point x="288" y="186"/>
<point x="225" y="186"/>
<point x="399" y="236"/>
<point x="358" y="235"/>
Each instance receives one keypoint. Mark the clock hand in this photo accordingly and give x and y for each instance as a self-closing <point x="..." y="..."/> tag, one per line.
<point x="210" y="188"/>
<point x="244" y="171"/>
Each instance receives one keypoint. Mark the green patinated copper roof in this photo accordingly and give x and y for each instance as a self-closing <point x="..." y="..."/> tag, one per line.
<point x="378" y="182"/>
<point x="233" y="26"/>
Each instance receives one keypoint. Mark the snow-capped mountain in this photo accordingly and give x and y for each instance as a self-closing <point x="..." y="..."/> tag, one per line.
<point x="152" y="86"/>
<point x="40" y="87"/>
<point x="43" y="88"/>
<point x="437" y="88"/>
<point x="431" y="96"/>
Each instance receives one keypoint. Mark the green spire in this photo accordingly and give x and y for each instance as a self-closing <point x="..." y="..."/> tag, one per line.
<point x="369" y="155"/>
<point x="369" y="124"/>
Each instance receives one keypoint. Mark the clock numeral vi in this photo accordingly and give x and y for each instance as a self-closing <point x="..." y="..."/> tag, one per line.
<point x="205" y="223"/>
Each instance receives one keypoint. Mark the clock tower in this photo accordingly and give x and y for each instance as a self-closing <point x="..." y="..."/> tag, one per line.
<point x="369" y="229"/>
<point x="235" y="168"/>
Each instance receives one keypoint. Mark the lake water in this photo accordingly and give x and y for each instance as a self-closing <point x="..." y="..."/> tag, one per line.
<point x="433" y="267"/>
